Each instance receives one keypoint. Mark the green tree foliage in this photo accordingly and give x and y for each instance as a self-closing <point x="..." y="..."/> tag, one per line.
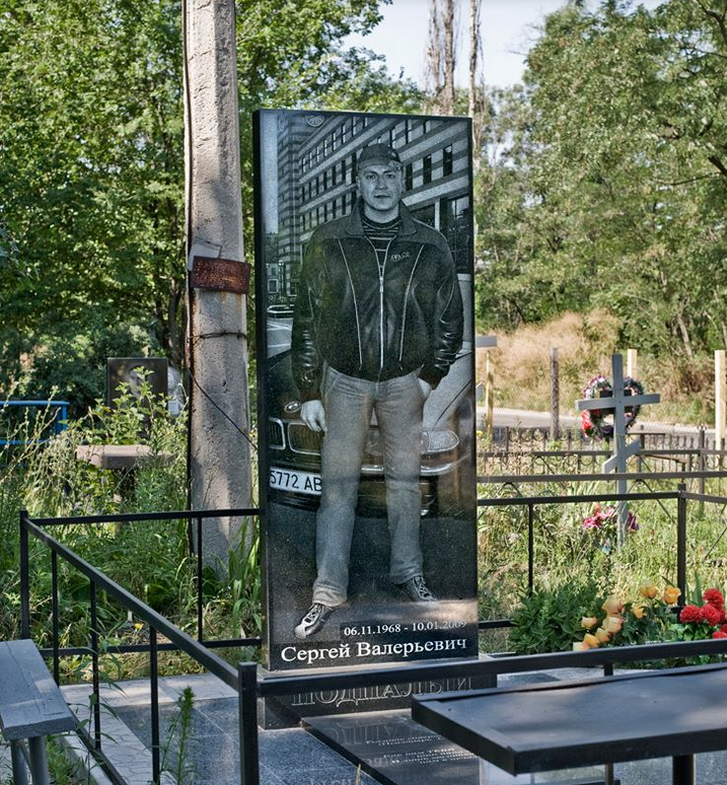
<point x="607" y="175"/>
<point x="92" y="164"/>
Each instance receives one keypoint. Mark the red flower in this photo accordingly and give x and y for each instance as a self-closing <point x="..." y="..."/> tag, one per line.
<point x="719" y="634"/>
<point x="690" y="613"/>
<point x="723" y="628"/>
<point x="712" y="615"/>
<point x="714" y="597"/>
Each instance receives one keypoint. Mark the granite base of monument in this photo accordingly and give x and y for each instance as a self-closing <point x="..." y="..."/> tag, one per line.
<point x="395" y="750"/>
<point x="287" y="711"/>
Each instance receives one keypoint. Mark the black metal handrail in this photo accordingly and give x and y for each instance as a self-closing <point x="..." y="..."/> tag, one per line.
<point x="245" y="680"/>
<point x="158" y="624"/>
<point x="252" y="686"/>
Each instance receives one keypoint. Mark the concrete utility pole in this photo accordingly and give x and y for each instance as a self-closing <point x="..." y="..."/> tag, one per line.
<point x="218" y="277"/>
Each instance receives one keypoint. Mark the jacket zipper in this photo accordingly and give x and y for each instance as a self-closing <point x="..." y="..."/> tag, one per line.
<point x="382" y="272"/>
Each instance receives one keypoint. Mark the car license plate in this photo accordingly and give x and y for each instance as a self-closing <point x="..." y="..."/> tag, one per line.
<point x="295" y="481"/>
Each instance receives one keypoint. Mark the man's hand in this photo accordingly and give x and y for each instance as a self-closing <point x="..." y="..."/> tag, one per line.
<point x="313" y="415"/>
<point x="426" y="388"/>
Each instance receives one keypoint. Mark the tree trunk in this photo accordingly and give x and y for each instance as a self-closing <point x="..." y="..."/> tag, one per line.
<point x="449" y="57"/>
<point x="441" y="55"/>
<point x="475" y="6"/>
<point x="684" y="332"/>
<point x="219" y="457"/>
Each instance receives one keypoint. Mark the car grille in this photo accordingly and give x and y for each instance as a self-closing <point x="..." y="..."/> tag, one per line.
<point x="276" y="434"/>
<point x="303" y="440"/>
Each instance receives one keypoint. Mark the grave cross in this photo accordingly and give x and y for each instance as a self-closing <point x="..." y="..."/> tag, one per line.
<point x="618" y="403"/>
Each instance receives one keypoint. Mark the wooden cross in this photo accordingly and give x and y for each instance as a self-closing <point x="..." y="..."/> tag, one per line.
<point x="622" y="450"/>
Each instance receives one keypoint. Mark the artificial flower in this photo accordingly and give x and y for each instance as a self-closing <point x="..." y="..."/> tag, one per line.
<point x="690" y="613"/>
<point x="602" y="635"/>
<point x="648" y="590"/>
<point x="638" y="610"/>
<point x="612" y="605"/>
<point x="591" y="640"/>
<point x="580" y="646"/>
<point x="612" y="624"/>
<point x="719" y="634"/>
<point x="671" y="594"/>
<point x="714" y="597"/>
<point x="588" y="621"/>
<point x="713" y="616"/>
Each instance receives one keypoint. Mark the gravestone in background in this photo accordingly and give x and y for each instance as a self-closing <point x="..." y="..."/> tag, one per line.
<point x="130" y="371"/>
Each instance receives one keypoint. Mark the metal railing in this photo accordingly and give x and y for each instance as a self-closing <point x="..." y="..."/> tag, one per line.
<point x="244" y="679"/>
<point x="198" y="649"/>
<point x="58" y="423"/>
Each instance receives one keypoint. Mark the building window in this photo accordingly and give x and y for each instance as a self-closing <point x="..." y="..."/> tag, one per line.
<point x="325" y="179"/>
<point x="344" y="132"/>
<point x="447" y="160"/>
<point x="334" y="210"/>
<point x="456" y="225"/>
<point x="426" y="126"/>
<point x="409" y="176"/>
<point x="427" y="169"/>
<point x="343" y="170"/>
<point x="407" y="131"/>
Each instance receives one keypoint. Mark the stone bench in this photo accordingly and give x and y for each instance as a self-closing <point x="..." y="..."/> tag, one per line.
<point x="31" y="707"/>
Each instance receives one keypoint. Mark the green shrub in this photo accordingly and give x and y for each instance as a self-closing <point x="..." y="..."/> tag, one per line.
<point x="550" y="620"/>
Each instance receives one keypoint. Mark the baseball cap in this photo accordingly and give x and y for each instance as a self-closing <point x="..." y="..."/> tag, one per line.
<point x="378" y="154"/>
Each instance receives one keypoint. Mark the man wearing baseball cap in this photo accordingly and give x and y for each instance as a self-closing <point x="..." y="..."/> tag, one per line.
<point x="377" y="324"/>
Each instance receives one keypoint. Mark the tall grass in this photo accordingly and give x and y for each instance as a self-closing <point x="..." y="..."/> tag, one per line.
<point x="585" y="343"/>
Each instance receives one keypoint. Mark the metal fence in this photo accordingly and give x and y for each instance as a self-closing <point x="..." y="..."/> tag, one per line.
<point x="245" y="680"/>
<point x="56" y="423"/>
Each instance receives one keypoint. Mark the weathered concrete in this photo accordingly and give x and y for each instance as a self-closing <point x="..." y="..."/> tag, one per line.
<point x="219" y="456"/>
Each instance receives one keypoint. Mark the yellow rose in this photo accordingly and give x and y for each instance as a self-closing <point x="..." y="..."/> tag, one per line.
<point x="580" y="646"/>
<point x="612" y="624"/>
<point x="671" y="594"/>
<point x="638" y="610"/>
<point x="602" y="635"/>
<point x="591" y="640"/>
<point x="588" y="621"/>
<point x="648" y="590"/>
<point x="612" y="605"/>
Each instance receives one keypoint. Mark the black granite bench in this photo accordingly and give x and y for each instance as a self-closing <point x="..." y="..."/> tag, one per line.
<point x="31" y="707"/>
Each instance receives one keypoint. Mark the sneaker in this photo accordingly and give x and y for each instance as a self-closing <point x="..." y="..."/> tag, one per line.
<point x="417" y="590"/>
<point x="313" y="621"/>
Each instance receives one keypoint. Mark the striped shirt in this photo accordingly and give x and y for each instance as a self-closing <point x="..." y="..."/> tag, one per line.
<point x="380" y="235"/>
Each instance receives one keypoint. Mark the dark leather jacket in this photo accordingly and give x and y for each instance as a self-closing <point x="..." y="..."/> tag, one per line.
<point x="375" y="325"/>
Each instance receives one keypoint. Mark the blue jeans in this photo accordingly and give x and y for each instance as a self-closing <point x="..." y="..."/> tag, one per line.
<point x="348" y="403"/>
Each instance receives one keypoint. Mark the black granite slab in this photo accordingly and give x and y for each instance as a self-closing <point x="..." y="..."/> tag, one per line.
<point x="395" y="750"/>
<point x="621" y="718"/>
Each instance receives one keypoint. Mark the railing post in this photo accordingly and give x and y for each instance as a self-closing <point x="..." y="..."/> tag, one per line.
<point x="682" y="541"/>
<point x="247" y="702"/>
<point x="702" y="464"/>
<point x="154" y="686"/>
<point x="54" y="602"/>
<point x="24" y="578"/>
<point x="94" y="669"/>
<point x="200" y="568"/>
<point x="531" y="548"/>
